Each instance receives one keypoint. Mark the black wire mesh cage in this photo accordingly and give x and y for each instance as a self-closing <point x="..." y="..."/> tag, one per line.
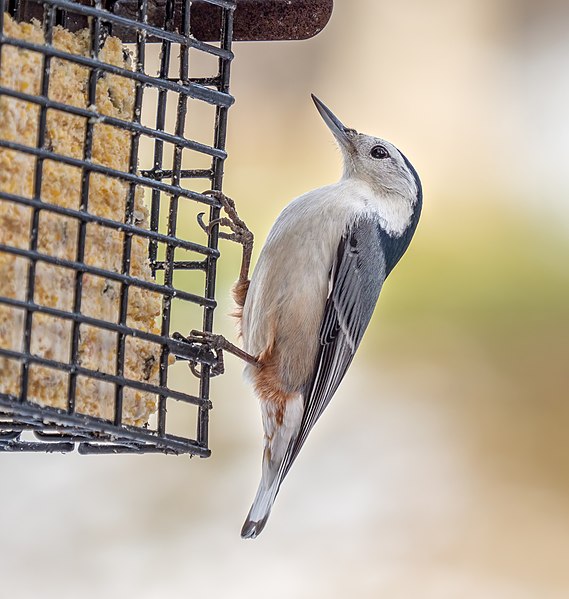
<point x="99" y="247"/>
<point x="113" y="123"/>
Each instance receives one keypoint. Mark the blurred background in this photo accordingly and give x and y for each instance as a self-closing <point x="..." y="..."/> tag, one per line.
<point x="441" y="468"/>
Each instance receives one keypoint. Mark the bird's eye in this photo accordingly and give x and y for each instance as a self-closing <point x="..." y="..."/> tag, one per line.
<point x="379" y="152"/>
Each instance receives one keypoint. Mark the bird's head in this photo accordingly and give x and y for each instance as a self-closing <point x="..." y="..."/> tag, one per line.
<point x="377" y="162"/>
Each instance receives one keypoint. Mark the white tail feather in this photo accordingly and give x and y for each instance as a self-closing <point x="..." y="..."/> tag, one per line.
<point x="260" y="510"/>
<point x="277" y="440"/>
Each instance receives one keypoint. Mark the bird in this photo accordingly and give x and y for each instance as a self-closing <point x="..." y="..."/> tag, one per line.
<point x="318" y="277"/>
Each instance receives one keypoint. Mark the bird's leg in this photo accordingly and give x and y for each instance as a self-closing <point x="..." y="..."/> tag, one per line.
<point x="239" y="233"/>
<point x="217" y="344"/>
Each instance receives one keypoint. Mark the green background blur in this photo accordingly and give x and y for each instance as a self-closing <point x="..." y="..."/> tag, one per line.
<point x="441" y="468"/>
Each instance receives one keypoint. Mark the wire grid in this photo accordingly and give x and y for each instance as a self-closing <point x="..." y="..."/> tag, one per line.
<point x="169" y="186"/>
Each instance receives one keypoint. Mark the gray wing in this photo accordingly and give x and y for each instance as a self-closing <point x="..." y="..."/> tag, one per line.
<point x="356" y="278"/>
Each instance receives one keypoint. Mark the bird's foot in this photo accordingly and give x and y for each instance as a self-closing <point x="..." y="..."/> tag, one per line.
<point x="203" y="352"/>
<point x="215" y="344"/>
<point x="239" y="230"/>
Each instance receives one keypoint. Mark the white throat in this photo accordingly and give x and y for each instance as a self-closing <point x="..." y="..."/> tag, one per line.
<point x="393" y="211"/>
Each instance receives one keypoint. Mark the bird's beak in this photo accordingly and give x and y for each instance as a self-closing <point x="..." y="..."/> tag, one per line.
<point x="341" y="133"/>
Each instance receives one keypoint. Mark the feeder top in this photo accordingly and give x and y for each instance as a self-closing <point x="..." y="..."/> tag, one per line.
<point x="255" y="20"/>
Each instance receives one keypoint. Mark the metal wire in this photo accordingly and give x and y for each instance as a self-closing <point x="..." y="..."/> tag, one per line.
<point x="27" y="426"/>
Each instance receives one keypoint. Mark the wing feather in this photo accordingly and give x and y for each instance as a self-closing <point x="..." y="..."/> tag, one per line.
<point x="356" y="278"/>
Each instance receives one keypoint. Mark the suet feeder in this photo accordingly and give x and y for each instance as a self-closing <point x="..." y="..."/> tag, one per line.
<point x="100" y="182"/>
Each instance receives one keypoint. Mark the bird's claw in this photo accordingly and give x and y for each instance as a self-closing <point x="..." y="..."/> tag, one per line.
<point x="203" y="343"/>
<point x="205" y="227"/>
<point x="239" y="231"/>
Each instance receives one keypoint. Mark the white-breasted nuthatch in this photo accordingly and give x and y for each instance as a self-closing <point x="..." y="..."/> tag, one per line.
<point x="314" y="289"/>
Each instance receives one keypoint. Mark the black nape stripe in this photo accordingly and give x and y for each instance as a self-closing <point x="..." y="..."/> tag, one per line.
<point x="395" y="247"/>
<point x="417" y="182"/>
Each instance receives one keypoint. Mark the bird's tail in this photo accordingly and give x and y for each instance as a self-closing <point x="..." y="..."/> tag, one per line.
<point x="280" y="435"/>
<point x="260" y="510"/>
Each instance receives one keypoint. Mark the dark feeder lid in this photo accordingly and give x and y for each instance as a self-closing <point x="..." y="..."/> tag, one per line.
<point x="254" y="20"/>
